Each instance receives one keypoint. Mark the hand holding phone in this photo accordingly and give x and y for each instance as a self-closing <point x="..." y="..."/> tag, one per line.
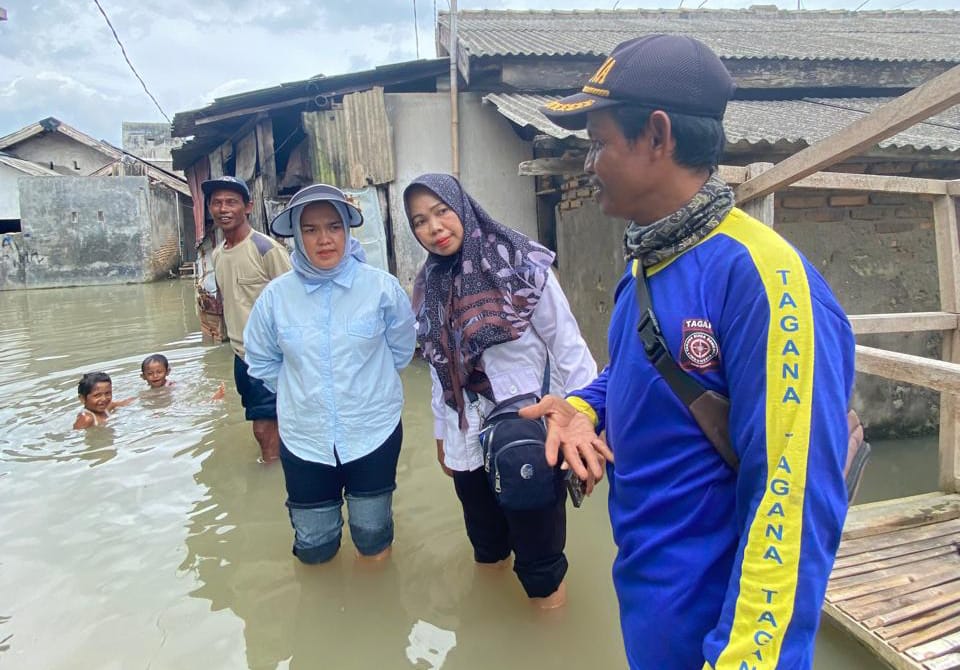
<point x="576" y="487"/>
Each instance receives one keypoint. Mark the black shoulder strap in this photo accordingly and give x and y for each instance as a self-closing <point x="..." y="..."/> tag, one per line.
<point x="688" y="389"/>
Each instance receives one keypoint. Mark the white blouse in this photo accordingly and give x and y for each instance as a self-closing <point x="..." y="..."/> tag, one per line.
<point x="515" y="368"/>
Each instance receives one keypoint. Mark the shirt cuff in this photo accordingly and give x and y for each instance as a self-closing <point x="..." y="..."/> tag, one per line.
<point x="439" y="429"/>
<point x="584" y="407"/>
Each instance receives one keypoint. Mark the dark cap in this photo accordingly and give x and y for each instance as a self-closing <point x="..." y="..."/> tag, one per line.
<point x="283" y="223"/>
<point x="674" y="73"/>
<point x="226" y="183"/>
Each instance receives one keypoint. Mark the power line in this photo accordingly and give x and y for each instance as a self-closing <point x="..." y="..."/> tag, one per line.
<point x="126" y="58"/>
<point x="416" y="28"/>
<point x="861" y="4"/>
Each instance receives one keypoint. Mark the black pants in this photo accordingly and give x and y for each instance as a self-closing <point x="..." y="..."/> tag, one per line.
<point x="536" y="537"/>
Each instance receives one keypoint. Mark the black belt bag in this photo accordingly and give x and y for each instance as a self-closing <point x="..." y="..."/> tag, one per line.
<point x="514" y="454"/>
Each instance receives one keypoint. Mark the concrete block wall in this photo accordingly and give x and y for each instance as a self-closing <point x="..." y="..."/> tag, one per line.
<point x="161" y="252"/>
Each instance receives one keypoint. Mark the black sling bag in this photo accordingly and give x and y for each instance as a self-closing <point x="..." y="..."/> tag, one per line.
<point x="710" y="409"/>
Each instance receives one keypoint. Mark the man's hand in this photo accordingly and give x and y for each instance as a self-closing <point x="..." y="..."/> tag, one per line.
<point x="571" y="431"/>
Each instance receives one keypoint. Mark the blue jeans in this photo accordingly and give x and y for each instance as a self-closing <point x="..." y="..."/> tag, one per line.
<point x="258" y="401"/>
<point x="315" y="494"/>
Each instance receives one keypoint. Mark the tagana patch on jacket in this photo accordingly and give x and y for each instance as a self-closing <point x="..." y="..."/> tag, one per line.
<point x="699" y="349"/>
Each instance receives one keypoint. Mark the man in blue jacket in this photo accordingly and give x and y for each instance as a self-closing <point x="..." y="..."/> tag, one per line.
<point x="715" y="568"/>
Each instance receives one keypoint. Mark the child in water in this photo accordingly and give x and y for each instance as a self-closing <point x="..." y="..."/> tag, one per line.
<point x="96" y="394"/>
<point x="154" y="370"/>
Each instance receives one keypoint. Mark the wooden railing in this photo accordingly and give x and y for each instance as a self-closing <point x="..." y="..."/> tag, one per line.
<point x="757" y="182"/>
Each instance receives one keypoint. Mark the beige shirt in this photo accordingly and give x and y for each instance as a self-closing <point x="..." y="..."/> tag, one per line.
<point x="242" y="272"/>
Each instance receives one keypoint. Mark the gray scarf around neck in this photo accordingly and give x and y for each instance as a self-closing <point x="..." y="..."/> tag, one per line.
<point x="679" y="231"/>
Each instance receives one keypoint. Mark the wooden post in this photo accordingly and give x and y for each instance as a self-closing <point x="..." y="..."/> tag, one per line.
<point x="948" y="264"/>
<point x="266" y="157"/>
<point x="760" y="208"/>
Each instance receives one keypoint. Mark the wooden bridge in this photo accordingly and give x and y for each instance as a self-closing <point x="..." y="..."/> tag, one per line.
<point x="895" y="585"/>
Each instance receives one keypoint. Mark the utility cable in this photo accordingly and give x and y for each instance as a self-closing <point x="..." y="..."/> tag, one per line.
<point x="416" y="28"/>
<point x="126" y="58"/>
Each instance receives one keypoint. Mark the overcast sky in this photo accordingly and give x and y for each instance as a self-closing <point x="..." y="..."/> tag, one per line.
<point x="58" y="57"/>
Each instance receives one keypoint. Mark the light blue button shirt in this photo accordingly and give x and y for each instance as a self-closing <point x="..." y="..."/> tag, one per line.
<point x="332" y="352"/>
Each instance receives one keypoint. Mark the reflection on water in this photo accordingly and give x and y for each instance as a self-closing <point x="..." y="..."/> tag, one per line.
<point x="158" y="541"/>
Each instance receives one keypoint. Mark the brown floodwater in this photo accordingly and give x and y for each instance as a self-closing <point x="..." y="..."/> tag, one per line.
<point x="159" y="542"/>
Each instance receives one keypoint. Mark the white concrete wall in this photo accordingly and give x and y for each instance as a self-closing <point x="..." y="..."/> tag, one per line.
<point x="9" y="192"/>
<point x="63" y="152"/>
<point x="489" y="154"/>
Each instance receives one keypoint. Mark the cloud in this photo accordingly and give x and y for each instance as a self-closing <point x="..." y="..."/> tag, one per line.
<point x="58" y="57"/>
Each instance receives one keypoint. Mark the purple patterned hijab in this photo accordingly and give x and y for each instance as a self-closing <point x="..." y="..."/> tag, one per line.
<point x="482" y="296"/>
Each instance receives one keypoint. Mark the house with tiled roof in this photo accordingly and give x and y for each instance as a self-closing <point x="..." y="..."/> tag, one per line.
<point x="77" y="211"/>
<point x="801" y="76"/>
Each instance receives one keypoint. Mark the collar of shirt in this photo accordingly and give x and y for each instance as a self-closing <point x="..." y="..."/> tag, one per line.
<point x="343" y="278"/>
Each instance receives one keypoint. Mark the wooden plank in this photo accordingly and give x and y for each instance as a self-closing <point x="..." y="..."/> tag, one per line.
<point x="948" y="251"/>
<point x="910" y="605"/>
<point x="913" y="622"/>
<point x="948" y="662"/>
<point x="937" y="648"/>
<point x="877" y="605"/>
<point x="246" y="164"/>
<point x="871" y="183"/>
<point x="885" y="580"/>
<point x="887" y="547"/>
<point x="936" y="95"/>
<point x="541" y="167"/>
<point x="937" y="375"/>
<point x="887" y="515"/>
<point x="760" y="208"/>
<point x="948" y="267"/>
<point x="246" y="111"/>
<point x="892" y="582"/>
<point x="869" y="640"/>
<point x="950" y="625"/>
<point x="915" y="534"/>
<point x="947" y="548"/>
<point x="266" y="157"/>
<point x="870" y="324"/>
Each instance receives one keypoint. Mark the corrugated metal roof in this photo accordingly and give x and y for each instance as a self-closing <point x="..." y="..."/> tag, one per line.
<point x="803" y="121"/>
<point x="733" y="34"/>
<point x="216" y="122"/>
<point x="26" y="167"/>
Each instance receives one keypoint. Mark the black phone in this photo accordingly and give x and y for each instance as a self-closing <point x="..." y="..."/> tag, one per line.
<point x="576" y="487"/>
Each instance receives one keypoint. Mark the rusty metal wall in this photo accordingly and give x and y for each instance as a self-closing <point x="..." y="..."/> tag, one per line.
<point x="351" y="146"/>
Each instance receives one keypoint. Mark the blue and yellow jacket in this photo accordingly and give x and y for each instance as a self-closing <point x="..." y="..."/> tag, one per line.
<point x="717" y="569"/>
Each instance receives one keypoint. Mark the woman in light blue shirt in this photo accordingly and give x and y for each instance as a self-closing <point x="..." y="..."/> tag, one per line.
<point x="330" y="337"/>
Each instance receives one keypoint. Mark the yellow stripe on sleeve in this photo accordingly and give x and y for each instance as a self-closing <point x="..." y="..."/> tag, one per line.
<point x="769" y="572"/>
<point x="584" y="407"/>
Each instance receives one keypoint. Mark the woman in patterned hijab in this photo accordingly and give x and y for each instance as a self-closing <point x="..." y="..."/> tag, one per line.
<point x="478" y="287"/>
<point x="494" y="325"/>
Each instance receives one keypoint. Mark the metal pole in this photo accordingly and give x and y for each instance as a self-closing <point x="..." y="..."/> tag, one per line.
<point x="454" y="85"/>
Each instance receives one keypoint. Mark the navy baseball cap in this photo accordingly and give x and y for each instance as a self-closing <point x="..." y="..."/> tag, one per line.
<point x="674" y="73"/>
<point x="283" y="223"/>
<point x="226" y="183"/>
